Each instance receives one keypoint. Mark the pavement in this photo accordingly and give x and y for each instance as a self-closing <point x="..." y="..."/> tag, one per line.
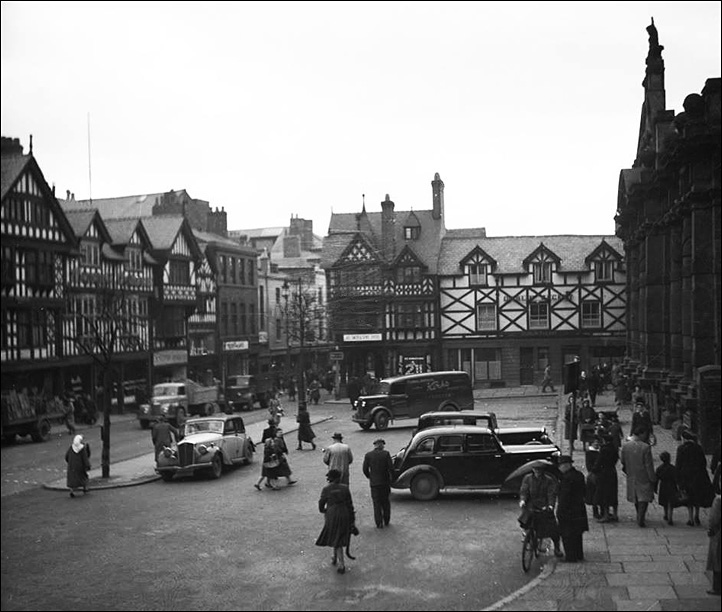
<point x="626" y="567"/>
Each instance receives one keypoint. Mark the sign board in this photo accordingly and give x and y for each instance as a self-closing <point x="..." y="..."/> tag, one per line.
<point x="237" y="345"/>
<point x="169" y="357"/>
<point x="336" y="355"/>
<point x="362" y="337"/>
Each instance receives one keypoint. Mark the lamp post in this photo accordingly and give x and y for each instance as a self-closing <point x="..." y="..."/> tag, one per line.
<point x="299" y="315"/>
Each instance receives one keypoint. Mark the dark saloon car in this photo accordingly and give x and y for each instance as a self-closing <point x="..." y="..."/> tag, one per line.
<point x="209" y="444"/>
<point x="460" y="457"/>
<point x="454" y="417"/>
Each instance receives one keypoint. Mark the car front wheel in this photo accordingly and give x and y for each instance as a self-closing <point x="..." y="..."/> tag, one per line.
<point x="425" y="487"/>
<point x="382" y="420"/>
<point x="217" y="466"/>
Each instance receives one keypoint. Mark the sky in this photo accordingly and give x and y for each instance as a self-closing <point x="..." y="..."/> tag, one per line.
<point x="271" y="110"/>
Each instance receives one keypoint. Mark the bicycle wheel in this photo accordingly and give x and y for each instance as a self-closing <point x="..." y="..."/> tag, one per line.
<point x="528" y="550"/>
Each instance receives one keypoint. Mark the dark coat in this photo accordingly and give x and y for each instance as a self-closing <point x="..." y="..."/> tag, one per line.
<point x="377" y="467"/>
<point x="163" y="434"/>
<point x="305" y="432"/>
<point x="691" y="465"/>
<point x="605" y="469"/>
<point x="638" y="465"/>
<point x="571" y="510"/>
<point x="78" y="467"/>
<point x="337" y="506"/>
<point x="713" y="531"/>
<point x="666" y="485"/>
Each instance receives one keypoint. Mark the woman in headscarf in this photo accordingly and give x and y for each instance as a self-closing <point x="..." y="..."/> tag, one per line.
<point x="78" y="459"/>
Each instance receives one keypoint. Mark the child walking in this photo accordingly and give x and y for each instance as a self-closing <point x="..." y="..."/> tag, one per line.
<point x="667" y="486"/>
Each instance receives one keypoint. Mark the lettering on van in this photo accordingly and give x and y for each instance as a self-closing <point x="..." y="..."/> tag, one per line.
<point x="437" y="385"/>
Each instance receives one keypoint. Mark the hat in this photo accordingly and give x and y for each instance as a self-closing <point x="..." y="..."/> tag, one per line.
<point x="333" y="474"/>
<point x="565" y="459"/>
<point x="272" y="422"/>
<point x="337" y="436"/>
<point x="379" y="441"/>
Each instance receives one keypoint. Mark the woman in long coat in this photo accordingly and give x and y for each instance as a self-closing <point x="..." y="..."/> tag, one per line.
<point x="714" y="552"/>
<point x="571" y="510"/>
<point x="78" y="459"/>
<point x="691" y="465"/>
<point x="305" y="433"/>
<point x="339" y="518"/>
<point x="605" y="469"/>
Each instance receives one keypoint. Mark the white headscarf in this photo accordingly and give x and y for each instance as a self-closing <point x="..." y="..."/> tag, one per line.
<point x="78" y="443"/>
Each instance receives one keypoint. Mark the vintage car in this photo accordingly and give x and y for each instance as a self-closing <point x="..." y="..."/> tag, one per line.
<point x="208" y="444"/>
<point x="467" y="457"/>
<point x="404" y="397"/>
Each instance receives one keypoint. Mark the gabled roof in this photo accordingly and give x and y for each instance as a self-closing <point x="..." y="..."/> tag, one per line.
<point x="344" y="226"/>
<point x="511" y="251"/>
<point x="13" y="167"/>
<point x="122" y="230"/>
<point x="207" y="238"/>
<point x="163" y="231"/>
<point x="80" y="220"/>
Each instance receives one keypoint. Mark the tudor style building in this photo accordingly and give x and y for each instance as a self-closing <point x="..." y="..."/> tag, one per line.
<point x="668" y="215"/>
<point x="382" y="291"/>
<point x="511" y="305"/>
<point x="37" y="243"/>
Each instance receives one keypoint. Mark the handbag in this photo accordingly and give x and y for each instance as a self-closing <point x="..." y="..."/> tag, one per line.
<point x="272" y="462"/>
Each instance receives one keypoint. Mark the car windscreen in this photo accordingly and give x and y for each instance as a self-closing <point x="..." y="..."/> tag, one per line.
<point x="203" y="427"/>
<point x="161" y="390"/>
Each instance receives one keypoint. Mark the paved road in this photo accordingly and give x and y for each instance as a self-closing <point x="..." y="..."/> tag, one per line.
<point x="203" y="544"/>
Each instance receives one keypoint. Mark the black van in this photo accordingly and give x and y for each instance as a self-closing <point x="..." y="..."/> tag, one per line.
<point x="408" y="397"/>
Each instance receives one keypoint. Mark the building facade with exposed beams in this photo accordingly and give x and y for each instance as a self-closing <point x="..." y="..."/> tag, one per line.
<point x="509" y="306"/>
<point x="668" y="216"/>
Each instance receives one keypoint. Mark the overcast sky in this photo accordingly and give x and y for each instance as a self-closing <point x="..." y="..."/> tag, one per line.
<point x="527" y="110"/>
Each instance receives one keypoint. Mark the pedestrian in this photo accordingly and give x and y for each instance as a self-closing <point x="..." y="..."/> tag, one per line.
<point x="547" y="381"/>
<point x="353" y="388"/>
<point x="605" y="469"/>
<point x="275" y="409"/>
<point x="269" y="431"/>
<point x="571" y="511"/>
<point x="338" y="456"/>
<point x="163" y="434"/>
<point x="378" y="468"/>
<point x="713" y="552"/>
<point x="571" y="419"/>
<point x="638" y="466"/>
<point x="643" y="419"/>
<point x="270" y="462"/>
<point x="305" y="432"/>
<point x="292" y="389"/>
<point x="69" y="413"/>
<point x="666" y="486"/>
<point x="336" y="504"/>
<point x="78" y="459"/>
<point x="538" y="492"/>
<point x="283" y="469"/>
<point x="691" y="465"/>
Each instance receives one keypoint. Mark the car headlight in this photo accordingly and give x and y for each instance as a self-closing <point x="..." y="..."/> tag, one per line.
<point x="202" y="449"/>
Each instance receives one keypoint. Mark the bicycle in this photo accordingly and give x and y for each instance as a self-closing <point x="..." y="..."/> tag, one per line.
<point x="532" y="543"/>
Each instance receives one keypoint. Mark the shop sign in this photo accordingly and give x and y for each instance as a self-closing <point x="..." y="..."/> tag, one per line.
<point x="164" y="358"/>
<point x="237" y="345"/>
<point x="362" y="337"/>
<point x="336" y="355"/>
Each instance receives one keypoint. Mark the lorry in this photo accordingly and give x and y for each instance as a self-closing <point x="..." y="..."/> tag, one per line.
<point x="179" y="400"/>
<point x="244" y="390"/>
<point x="28" y="415"/>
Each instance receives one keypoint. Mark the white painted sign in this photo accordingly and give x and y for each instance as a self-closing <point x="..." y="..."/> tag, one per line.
<point x="362" y="337"/>
<point x="169" y="357"/>
<point x="237" y="345"/>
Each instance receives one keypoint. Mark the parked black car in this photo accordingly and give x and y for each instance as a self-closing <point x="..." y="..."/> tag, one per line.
<point x="460" y="457"/>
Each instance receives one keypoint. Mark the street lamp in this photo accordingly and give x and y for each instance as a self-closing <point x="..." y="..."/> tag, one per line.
<point x="299" y="315"/>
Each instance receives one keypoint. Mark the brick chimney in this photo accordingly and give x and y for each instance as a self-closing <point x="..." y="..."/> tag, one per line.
<point x="303" y="228"/>
<point x="291" y="246"/>
<point x="388" y="229"/>
<point x="437" y="187"/>
<point x="11" y="146"/>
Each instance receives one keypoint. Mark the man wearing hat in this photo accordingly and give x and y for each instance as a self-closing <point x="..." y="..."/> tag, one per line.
<point x="377" y="467"/>
<point x="571" y="510"/>
<point x="338" y="456"/>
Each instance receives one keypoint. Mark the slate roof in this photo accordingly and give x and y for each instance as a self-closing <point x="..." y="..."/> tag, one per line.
<point x="343" y="227"/>
<point x="121" y="230"/>
<point x="510" y="251"/>
<point x="134" y="206"/>
<point x="205" y="238"/>
<point x="80" y="220"/>
<point x="12" y="167"/>
<point x="163" y="230"/>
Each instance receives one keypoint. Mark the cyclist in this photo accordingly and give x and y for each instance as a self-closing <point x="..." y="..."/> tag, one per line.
<point x="537" y="497"/>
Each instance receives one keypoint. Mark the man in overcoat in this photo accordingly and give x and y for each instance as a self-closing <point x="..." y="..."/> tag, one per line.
<point x="571" y="510"/>
<point x="163" y="434"/>
<point x="378" y="468"/>
<point x="638" y="466"/>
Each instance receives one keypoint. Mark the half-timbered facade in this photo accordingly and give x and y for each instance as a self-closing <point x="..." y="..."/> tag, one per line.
<point x="37" y="243"/>
<point x="511" y="305"/>
<point x="175" y="299"/>
<point x="382" y="291"/>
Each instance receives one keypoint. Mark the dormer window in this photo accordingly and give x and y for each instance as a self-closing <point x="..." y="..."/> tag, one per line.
<point x="542" y="272"/>
<point x="412" y="232"/>
<point x="408" y="275"/>
<point x="90" y="254"/>
<point x="604" y="271"/>
<point x="135" y="259"/>
<point x="477" y="274"/>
